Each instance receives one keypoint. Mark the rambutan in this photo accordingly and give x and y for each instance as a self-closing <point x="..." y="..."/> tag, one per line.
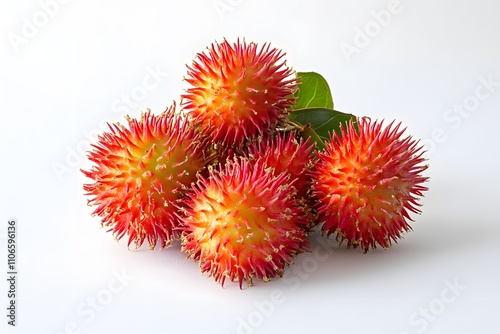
<point x="284" y="153"/>
<point x="239" y="91"/>
<point x="366" y="182"/>
<point x="141" y="175"/>
<point x="242" y="223"/>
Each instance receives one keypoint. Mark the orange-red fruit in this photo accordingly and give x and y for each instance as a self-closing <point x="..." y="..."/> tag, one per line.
<point x="366" y="183"/>
<point x="239" y="91"/>
<point x="141" y="174"/>
<point x="242" y="223"/>
<point x="284" y="153"/>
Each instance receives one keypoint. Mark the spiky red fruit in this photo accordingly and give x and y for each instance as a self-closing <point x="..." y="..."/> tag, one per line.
<point x="366" y="182"/>
<point x="284" y="153"/>
<point x="239" y="91"/>
<point x="140" y="175"/>
<point x="242" y="223"/>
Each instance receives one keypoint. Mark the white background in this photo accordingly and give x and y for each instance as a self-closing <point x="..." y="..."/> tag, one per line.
<point x="70" y="74"/>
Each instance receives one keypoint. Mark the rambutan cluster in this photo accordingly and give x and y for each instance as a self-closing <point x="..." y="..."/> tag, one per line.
<point x="245" y="171"/>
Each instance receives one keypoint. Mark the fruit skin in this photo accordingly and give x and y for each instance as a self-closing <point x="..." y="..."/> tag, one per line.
<point x="242" y="223"/>
<point x="366" y="182"/>
<point x="141" y="175"/>
<point x="285" y="154"/>
<point x="238" y="91"/>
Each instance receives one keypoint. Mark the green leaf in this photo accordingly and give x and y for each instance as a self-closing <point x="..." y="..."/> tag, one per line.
<point x="313" y="92"/>
<point x="322" y="120"/>
<point x="308" y="132"/>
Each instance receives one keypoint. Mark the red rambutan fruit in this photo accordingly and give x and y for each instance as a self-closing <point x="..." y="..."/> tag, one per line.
<point x="242" y="223"/>
<point x="238" y="91"/>
<point x="284" y="153"/>
<point x="141" y="174"/>
<point x="366" y="182"/>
